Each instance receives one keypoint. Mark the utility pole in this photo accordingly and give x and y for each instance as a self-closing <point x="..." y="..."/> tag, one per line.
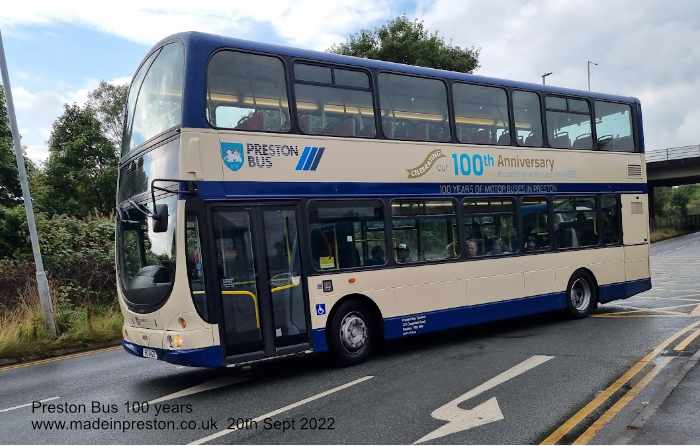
<point x="588" y="69"/>
<point x="545" y="75"/>
<point x="42" y="283"/>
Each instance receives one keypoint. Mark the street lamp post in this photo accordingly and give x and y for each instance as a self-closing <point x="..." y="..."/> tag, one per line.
<point x="41" y="281"/>
<point x="545" y="75"/>
<point x="588" y="69"/>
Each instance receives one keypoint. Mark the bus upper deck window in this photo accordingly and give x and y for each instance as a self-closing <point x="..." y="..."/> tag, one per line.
<point x="247" y="92"/>
<point x="528" y="121"/>
<point x="481" y="114"/>
<point x="568" y="123"/>
<point x="613" y="125"/>
<point x="333" y="101"/>
<point x="413" y="108"/>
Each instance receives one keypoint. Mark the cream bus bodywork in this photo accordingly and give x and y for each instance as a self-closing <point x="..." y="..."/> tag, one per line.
<point x="411" y="298"/>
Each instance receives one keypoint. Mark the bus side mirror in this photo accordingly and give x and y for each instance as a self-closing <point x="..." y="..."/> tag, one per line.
<point x="160" y="218"/>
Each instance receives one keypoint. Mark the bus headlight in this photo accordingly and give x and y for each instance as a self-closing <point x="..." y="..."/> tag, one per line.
<point x="175" y="341"/>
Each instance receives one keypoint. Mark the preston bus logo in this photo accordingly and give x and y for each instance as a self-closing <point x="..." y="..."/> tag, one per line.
<point x="232" y="154"/>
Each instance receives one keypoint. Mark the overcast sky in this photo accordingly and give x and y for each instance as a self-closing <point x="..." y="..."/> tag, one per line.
<point x="58" y="51"/>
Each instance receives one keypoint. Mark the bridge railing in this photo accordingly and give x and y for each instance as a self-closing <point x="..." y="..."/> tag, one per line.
<point x="673" y="153"/>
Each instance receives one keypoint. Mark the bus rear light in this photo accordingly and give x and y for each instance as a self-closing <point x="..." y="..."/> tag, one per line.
<point x="175" y="341"/>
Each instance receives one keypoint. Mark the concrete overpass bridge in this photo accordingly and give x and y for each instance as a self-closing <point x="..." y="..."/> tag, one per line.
<point x="674" y="166"/>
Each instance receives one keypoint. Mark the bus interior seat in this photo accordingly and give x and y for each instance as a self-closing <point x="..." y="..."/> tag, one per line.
<point x="584" y="141"/>
<point x="345" y="127"/>
<point x="625" y="142"/>
<point x="415" y="131"/>
<point x="304" y="122"/>
<point x="531" y="139"/>
<point x="561" y="140"/>
<point x="567" y="236"/>
<point x="254" y="121"/>
<point x="482" y="137"/>
<point x="504" y="139"/>
<point x="605" y="142"/>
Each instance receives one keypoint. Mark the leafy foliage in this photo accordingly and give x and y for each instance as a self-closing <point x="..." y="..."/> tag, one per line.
<point x="78" y="256"/>
<point x="81" y="172"/>
<point x="407" y="41"/>
<point x="677" y="202"/>
<point x="108" y="102"/>
<point x="10" y="191"/>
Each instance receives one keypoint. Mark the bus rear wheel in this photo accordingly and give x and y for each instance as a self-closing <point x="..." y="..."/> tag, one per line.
<point x="581" y="294"/>
<point x="351" y="334"/>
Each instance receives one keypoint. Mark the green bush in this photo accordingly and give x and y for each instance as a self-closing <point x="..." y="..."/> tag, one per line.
<point x="78" y="256"/>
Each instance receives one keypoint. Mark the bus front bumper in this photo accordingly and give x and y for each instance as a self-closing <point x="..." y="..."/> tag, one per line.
<point x="198" y="357"/>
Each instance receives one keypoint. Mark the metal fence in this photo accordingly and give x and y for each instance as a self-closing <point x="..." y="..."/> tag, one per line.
<point x="673" y="153"/>
<point x="689" y="222"/>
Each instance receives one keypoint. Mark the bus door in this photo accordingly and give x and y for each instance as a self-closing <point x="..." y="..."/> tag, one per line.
<point x="260" y="282"/>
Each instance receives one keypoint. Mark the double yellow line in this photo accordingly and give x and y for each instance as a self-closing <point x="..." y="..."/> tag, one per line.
<point x="556" y="436"/>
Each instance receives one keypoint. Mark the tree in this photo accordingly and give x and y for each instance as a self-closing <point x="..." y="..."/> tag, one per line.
<point x="10" y="190"/>
<point x="108" y="101"/>
<point x="680" y="199"/>
<point x="408" y="42"/>
<point x="80" y="174"/>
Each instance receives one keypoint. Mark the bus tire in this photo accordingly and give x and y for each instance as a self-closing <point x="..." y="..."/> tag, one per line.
<point x="351" y="333"/>
<point x="581" y="294"/>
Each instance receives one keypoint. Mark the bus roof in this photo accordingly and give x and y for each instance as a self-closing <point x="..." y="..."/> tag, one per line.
<point x="203" y="44"/>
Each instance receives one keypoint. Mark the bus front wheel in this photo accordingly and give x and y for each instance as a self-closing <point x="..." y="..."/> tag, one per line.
<point x="581" y="294"/>
<point x="351" y="334"/>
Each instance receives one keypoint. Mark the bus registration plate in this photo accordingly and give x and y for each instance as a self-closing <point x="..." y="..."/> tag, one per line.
<point x="150" y="353"/>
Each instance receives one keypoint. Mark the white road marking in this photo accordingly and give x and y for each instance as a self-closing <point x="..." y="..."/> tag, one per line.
<point x="696" y="311"/>
<point x="28" y="404"/>
<point x="209" y="385"/>
<point x="286" y="408"/>
<point x="459" y="419"/>
<point x="680" y="298"/>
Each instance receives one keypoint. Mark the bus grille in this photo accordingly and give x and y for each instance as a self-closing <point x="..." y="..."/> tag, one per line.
<point x="634" y="170"/>
<point x="636" y="208"/>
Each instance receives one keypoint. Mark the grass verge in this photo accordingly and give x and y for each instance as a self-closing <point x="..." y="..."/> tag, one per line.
<point x="23" y="336"/>
<point x="660" y="234"/>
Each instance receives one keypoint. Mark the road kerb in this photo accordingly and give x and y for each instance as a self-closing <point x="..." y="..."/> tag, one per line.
<point x="58" y="358"/>
<point x="605" y="395"/>
<point x="654" y="405"/>
<point x="620" y="404"/>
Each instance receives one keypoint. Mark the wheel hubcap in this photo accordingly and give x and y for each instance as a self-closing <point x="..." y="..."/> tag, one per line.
<point x="353" y="331"/>
<point x="581" y="294"/>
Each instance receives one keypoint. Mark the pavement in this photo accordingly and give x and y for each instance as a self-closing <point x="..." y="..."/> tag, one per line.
<point x="625" y="375"/>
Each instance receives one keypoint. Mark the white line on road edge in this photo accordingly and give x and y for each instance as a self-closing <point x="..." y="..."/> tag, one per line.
<point x="28" y="404"/>
<point x="286" y="408"/>
<point x="459" y="419"/>
<point x="209" y="385"/>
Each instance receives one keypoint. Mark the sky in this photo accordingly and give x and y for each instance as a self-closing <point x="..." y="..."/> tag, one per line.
<point x="58" y="51"/>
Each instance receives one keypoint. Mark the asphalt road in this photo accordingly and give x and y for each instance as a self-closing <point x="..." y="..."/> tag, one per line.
<point x="522" y="379"/>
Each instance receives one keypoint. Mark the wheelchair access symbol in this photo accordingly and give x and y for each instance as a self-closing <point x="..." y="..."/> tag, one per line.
<point x="320" y="309"/>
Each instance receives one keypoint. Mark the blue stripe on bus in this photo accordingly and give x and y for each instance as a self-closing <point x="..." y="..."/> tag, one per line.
<point x="430" y="321"/>
<point x="302" y="158"/>
<point x="197" y="357"/>
<point x="623" y="290"/>
<point x="288" y="189"/>
<point x="310" y="158"/>
<point x="317" y="160"/>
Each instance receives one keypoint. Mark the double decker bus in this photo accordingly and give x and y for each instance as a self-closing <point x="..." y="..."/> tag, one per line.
<point x="274" y="201"/>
